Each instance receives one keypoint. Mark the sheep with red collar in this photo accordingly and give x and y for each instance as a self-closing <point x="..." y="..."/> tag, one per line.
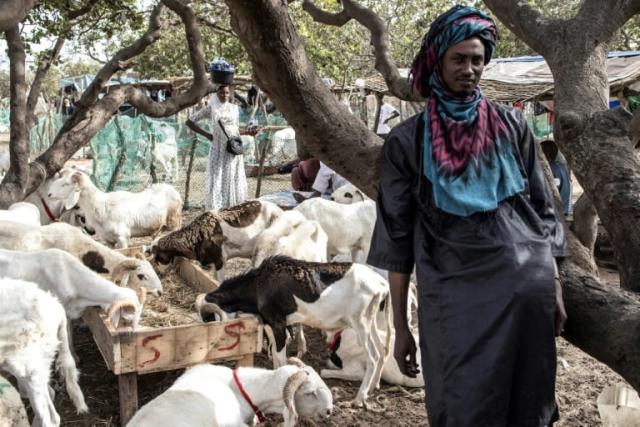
<point x="134" y="273"/>
<point x="74" y="284"/>
<point x="33" y="328"/>
<point x="209" y="395"/>
<point x="326" y="296"/>
<point x="215" y="236"/>
<point x="120" y="215"/>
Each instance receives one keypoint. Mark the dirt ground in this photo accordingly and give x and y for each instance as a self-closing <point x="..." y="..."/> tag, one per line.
<point x="580" y="380"/>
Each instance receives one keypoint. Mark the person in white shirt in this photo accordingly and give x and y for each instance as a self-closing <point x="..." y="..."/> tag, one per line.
<point x="327" y="180"/>
<point x="226" y="180"/>
<point x="387" y="112"/>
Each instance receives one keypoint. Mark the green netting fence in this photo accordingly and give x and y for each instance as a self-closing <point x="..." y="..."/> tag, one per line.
<point x="130" y="153"/>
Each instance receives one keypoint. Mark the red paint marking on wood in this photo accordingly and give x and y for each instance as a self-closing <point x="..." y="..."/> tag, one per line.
<point x="228" y="329"/>
<point x="156" y="352"/>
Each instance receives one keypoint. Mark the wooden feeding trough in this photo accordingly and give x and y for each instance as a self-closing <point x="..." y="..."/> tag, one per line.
<point x="129" y="353"/>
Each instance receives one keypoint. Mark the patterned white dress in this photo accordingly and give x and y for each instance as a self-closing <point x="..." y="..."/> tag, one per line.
<point x="226" y="180"/>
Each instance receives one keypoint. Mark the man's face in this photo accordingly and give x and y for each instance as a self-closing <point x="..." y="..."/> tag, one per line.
<point x="223" y="93"/>
<point x="462" y="65"/>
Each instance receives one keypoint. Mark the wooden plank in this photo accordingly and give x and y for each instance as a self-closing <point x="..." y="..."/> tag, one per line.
<point x="234" y="338"/>
<point x="128" y="390"/>
<point x="246" y="361"/>
<point x="197" y="278"/>
<point x="107" y="342"/>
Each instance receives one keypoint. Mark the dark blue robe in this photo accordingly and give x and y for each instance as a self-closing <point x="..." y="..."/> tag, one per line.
<point x="486" y="290"/>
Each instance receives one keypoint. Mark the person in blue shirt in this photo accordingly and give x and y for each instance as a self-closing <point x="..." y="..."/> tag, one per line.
<point x="560" y="171"/>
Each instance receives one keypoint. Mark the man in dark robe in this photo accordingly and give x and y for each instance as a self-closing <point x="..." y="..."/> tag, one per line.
<point x="462" y="198"/>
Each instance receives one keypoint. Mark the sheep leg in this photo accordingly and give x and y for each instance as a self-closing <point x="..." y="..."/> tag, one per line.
<point x="70" y="338"/>
<point x="363" y="332"/>
<point x="376" y="341"/>
<point x="45" y="414"/>
<point x="277" y="335"/>
<point x="302" y="342"/>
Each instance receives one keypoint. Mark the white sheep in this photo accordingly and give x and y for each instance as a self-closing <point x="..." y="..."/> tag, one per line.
<point x="349" y="228"/>
<point x="22" y="213"/>
<point x="348" y="194"/>
<point x="12" y="412"/>
<point x="135" y="273"/>
<point x="326" y="296"/>
<point x="208" y="395"/>
<point x="74" y="284"/>
<point x="120" y="215"/>
<point x="33" y="328"/>
<point x="291" y="234"/>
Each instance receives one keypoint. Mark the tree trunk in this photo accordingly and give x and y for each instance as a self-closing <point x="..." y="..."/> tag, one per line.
<point x="15" y="181"/>
<point x="36" y="84"/>
<point x="585" y="222"/>
<point x="13" y="12"/>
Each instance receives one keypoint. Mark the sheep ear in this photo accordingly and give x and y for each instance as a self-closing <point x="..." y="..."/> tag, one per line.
<point x="72" y="200"/>
<point x="359" y="193"/>
<point x="296" y="362"/>
<point x="124" y="269"/>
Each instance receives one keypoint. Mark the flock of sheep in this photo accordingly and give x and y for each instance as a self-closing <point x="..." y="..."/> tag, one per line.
<point x="55" y="250"/>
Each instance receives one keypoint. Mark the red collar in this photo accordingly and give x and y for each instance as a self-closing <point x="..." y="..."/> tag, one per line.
<point x="244" y="394"/>
<point x="47" y="210"/>
<point x="332" y="347"/>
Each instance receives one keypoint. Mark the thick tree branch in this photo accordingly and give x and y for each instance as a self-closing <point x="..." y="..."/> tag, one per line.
<point x="600" y="22"/>
<point x="538" y="32"/>
<point x="36" y="84"/>
<point x="119" y="62"/>
<point x="12" y="12"/>
<point x="215" y="27"/>
<point x="398" y="85"/>
<point x="86" y="8"/>
<point x="18" y="174"/>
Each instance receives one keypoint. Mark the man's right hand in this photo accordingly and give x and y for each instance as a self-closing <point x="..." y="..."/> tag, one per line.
<point x="404" y="351"/>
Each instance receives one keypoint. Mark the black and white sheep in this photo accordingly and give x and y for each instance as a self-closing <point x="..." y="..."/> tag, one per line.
<point x="134" y="273"/>
<point x="326" y="296"/>
<point x="216" y="236"/>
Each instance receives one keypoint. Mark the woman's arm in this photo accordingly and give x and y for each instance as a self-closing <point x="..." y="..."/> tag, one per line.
<point x="197" y="129"/>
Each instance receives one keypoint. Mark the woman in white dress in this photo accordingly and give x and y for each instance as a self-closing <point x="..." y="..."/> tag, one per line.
<point x="226" y="181"/>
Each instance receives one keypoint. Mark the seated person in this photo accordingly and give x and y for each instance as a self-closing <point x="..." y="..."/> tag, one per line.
<point x="560" y="172"/>
<point x="326" y="181"/>
<point x="304" y="173"/>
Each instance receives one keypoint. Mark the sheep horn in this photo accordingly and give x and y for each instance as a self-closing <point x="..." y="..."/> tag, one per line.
<point x="296" y="362"/>
<point x="291" y="386"/>
<point x="208" y="307"/>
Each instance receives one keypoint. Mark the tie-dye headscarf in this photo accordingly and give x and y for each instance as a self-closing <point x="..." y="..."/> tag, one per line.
<point x="468" y="156"/>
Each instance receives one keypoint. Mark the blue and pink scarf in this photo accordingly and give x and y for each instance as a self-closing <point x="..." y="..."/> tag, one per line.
<point x="468" y="153"/>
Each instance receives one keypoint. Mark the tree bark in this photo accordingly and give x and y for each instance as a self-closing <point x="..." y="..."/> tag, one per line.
<point x="15" y="181"/>
<point x="585" y="222"/>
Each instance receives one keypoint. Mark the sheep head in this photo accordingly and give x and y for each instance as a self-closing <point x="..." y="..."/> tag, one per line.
<point x="305" y="394"/>
<point x="137" y="274"/>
